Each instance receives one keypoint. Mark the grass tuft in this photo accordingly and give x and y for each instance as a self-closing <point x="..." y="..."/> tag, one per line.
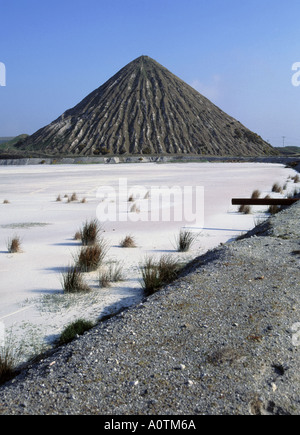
<point x="91" y="257"/>
<point x="157" y="274"/>
<point x="14" y="245"/>
<point x="255" y="194"/>
<point x="90" y="232"/>
<point x="296" y="179"/>
<point x="113" y="273"/>
<point x="246" y="209"/>
<point x="74" y="197"/>
<point x="77" y="235"/>
<point x="274" y="209"/>
<point x="276" y="188"/>
<point x="128" y="242"/>
<point x="7" y="365"/>
<point x="134" y="209"/>
<point x="185" y="241"/>
<point x="72" y="281"/>
<point x="79" y="327"/>
<point x="131" y="198"/>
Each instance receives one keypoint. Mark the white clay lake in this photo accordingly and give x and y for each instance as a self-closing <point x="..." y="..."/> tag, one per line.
<point x="33" y="308"/>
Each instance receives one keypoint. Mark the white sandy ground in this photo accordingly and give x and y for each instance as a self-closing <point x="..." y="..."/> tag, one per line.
<point x="33" y="307"/>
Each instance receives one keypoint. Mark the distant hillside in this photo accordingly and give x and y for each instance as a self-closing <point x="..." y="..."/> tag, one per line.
<point x="5" y="139"/>
<point x="144" y="109"/>
<point x="289" y="151"/>
<point x="8" y="143"/>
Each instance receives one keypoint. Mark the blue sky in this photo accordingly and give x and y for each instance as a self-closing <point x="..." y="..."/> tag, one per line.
<point x="237" y="53"/>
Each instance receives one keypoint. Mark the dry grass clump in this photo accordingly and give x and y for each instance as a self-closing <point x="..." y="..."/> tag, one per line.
<point x="58" y="199"/>
<point x="276" y="188"/>
<point x="157" y="274"/>
<point x="246" y="209"/>
<point x="256" y="194"/>
<point x="74" y="197"/>
<point x="71" y="198"/>
<point x="7" y="369"/>
<point x="77" y="235"/>
<point x="73" y="282"/>
<point x="131" y="198"/>
<point x="128" y="242"/>
<point x="6" y="201"/>
<point x="90" y="232"/>
<point x="14" y="245"/>
<point x="185" y="240"/>
<point x="296" y="179"/>
<point x="91" y="257"/>
<point x="112" y="273"/>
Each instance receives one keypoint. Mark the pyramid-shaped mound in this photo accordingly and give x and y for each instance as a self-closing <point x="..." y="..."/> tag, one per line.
<point x="145" y="109"/>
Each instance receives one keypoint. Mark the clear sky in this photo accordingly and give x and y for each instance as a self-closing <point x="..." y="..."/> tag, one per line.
<point x="238" y="53"/>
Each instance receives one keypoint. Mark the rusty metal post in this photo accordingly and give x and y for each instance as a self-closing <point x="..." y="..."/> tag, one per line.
<point x="264" y="201"/>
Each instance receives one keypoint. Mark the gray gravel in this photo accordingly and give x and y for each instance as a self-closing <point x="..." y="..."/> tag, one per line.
<point x="220" y="340"/>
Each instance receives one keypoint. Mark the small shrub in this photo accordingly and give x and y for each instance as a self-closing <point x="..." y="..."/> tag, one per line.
<point x="91" y="257"/>
<point x="79" y="327"/>
<point x="72" y="281"/>
<point x="6" y="201"/>
<point x="83" y="201"/>
<point x="185" y="240"/>
<point x="113" y="273"/>
<point x="276" y="188"/>
<point x="256" y="194"/>
<point x="128" y="242"/>
<point x="14" y="245"/>
<point x="90" y="232"/>
<point x="58" y="199"/>
<point x="157" y="274"/>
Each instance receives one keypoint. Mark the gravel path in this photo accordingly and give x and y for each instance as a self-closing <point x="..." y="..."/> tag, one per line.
<point x="223" y="339"/>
